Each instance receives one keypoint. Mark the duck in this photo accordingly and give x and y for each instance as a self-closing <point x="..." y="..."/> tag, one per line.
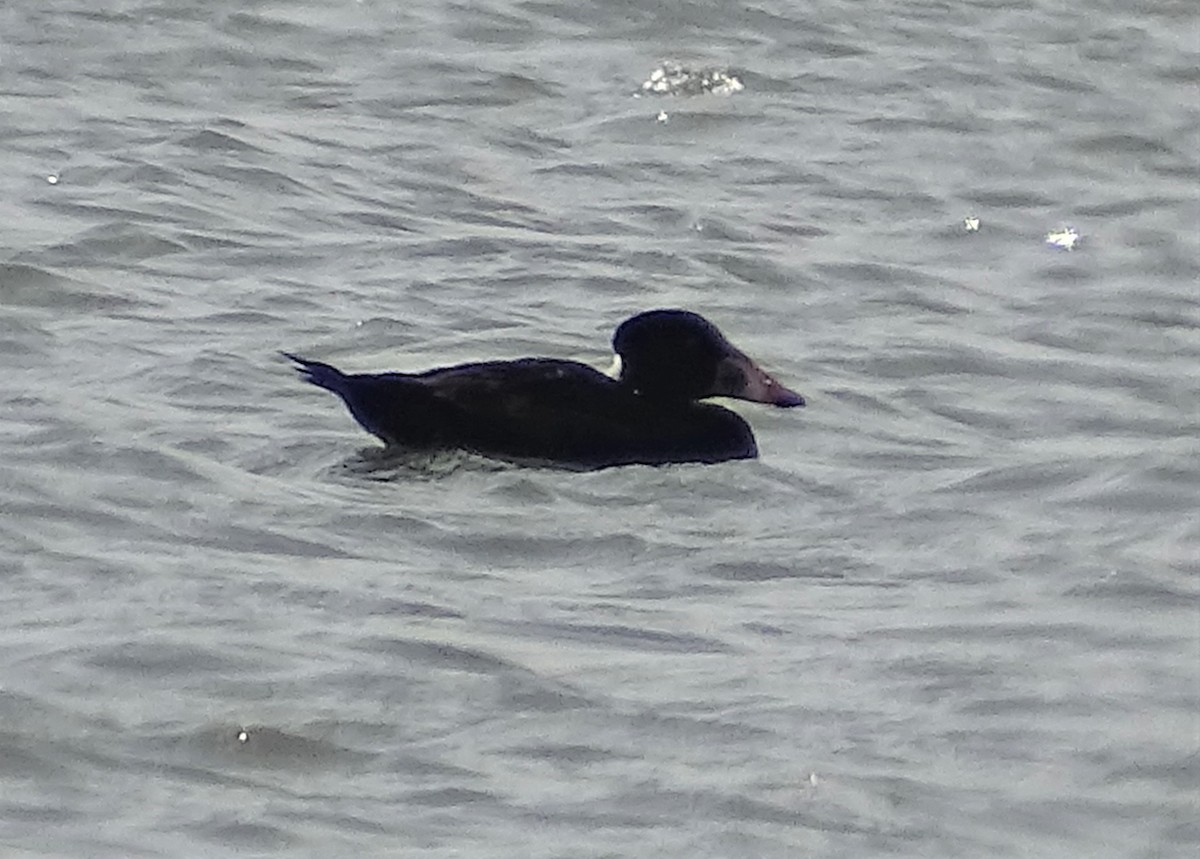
<point x="553" y="412"/>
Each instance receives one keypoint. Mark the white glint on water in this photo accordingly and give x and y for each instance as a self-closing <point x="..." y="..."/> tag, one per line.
<point x="1065" y="238"/>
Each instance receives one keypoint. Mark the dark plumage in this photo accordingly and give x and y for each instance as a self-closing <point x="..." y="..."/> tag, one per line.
<point x="565" y="413"/>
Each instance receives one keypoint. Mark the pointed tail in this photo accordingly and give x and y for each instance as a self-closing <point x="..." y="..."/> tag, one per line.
<point x="395" y="407"/>
<point x="322" y="375"/>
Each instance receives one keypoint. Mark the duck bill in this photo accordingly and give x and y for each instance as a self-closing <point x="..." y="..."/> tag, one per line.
<point x="738" y="376"/>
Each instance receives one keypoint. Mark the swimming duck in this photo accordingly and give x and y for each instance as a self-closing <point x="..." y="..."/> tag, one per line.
<point x="550" y="411"/>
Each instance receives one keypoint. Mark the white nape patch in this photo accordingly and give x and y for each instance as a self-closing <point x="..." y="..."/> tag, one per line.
<point x="614" y="370"/>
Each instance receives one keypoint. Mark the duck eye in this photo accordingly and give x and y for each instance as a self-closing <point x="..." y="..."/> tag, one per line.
<point x="730" y="377"/>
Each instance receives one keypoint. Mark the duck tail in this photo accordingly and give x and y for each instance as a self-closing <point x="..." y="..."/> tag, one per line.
<point x="322" y="375"/>
<point x="394" y="407"/>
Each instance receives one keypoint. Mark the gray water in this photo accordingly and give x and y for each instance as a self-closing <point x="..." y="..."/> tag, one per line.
<point x="952" y="610"/>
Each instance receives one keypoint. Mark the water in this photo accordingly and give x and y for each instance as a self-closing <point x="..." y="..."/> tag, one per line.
<point x="951" y="611"/>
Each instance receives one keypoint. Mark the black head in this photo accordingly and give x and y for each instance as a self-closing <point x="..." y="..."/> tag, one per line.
<point x="677" y="355"/>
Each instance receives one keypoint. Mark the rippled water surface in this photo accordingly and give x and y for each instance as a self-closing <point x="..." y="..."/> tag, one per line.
<point x="952" y="610"/>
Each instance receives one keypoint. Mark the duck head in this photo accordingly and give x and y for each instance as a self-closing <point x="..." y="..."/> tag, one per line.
<point x="677" y="355"/>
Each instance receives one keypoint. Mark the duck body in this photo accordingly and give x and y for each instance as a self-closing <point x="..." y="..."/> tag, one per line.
<point x="564" y="413"/>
